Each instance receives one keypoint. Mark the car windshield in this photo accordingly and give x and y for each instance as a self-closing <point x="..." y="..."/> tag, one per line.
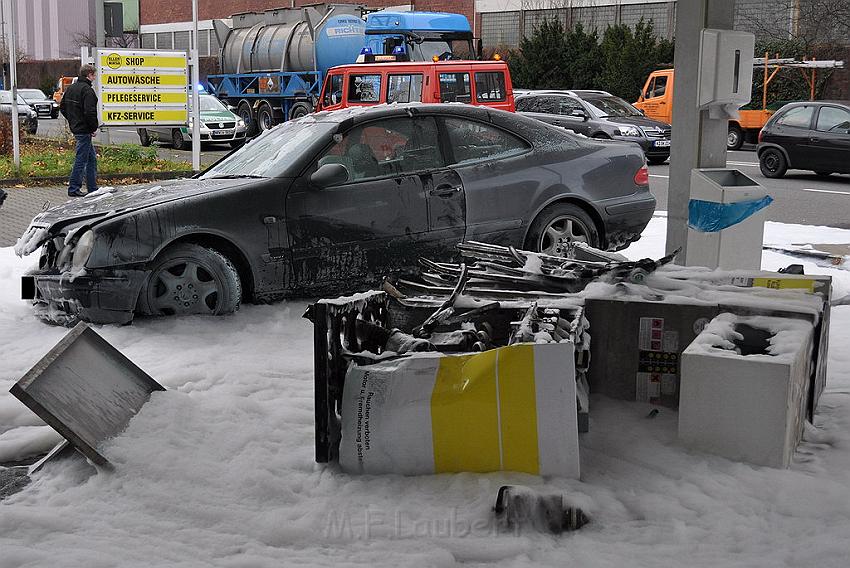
<point x="613" y="106"/>
<point x="210" y="103"/>
<point x="6" y="98"/>
<point x="32" y="94"/>
<point x="273" y="152"/>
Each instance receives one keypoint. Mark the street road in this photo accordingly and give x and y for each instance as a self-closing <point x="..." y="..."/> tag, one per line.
<point x="800" y="197"/>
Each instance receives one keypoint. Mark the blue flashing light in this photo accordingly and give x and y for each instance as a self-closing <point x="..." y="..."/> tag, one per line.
<point x="398" y="50"/>
<point x="201" y="88"/>
<point x="366" y="51"/>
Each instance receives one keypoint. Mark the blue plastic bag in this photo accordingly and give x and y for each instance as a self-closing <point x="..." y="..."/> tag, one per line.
<point x="710" y="217"/>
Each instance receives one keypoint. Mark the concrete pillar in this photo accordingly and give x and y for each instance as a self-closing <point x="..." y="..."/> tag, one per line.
<point x="698" y="141"/>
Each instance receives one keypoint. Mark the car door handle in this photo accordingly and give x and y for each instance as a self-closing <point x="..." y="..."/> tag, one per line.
<point x="445" y="190"/>
<point x="813" y="139"/>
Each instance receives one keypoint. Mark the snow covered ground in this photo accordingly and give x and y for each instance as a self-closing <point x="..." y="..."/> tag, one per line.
<point x="219" y="470"/>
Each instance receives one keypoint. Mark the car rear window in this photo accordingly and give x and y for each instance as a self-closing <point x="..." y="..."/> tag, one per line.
<point x="455" y="88"/>
<point x="473" y="141"/>
<point x="797" y="117"/>
<point x="364" y="88"/>
<point x="404" y="88"/>
<point x="490" y="86"/>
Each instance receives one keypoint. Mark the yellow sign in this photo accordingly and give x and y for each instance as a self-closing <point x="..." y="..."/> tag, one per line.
<point x="786" y="283"/>
<point x="148" y="116"/>
<point x="141" y="80"/>
<point x="117" y="61"/>
<point x="143" y="97"/>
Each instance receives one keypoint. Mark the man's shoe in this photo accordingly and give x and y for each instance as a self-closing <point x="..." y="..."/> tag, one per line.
<point x="76" y="194"/>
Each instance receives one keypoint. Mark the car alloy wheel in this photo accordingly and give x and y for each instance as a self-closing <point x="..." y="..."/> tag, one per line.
<point x="190" y="279"/>
<point x="560" y="233"/>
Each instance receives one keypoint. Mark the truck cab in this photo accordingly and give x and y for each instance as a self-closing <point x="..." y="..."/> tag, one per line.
<point x="482" y="83"/>
<point x="422" y="35"/>
<point x="656" y="98"/>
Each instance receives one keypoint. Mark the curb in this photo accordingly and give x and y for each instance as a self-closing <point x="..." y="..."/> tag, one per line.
<point x="53" y="180"/>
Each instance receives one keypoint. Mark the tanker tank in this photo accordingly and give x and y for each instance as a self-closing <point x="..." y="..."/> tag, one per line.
<point x="291" y="39"/>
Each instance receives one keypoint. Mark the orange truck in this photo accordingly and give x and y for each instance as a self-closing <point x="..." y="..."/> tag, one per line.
<point x="62" y="86"/>
<point x="656" y="98"/>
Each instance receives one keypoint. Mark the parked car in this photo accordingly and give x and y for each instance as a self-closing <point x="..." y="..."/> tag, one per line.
<point x="27" y="118"/>
<point x="44" y="106"/>
<point x="218" y="125"/>
<point x="599" y="114"/>
<point x="813" y="135"/>
<point x="329" y="203"/>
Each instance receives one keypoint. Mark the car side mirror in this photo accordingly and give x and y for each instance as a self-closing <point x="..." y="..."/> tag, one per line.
<point x="579" y="114"/>
<point x="329" y="174"/>
<point x="643" y="112"/>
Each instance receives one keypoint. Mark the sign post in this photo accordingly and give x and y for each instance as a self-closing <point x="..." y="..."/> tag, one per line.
<point x="13" y="79"/>
<point x="142" y="88"/>
<point x="196" y="100"/>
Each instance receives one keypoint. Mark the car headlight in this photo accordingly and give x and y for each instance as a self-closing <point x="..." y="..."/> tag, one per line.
<point x="240" y="123"/>
<point x="82" y="251"/>
<point x="629" y="131"/>
<point x="55" y="104"/>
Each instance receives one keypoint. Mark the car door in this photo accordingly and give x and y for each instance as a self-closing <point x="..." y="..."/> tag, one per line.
<point x="566" y="106"/>
<point x="830" y="140"/>
<point x="792" y="131"/>
<point x="491" y="163"/>
<point x="374" y="223"/>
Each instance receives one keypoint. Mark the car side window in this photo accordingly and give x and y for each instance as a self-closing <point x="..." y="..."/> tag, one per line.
<point x="490" y="86"/>
<point x="797" y="117"/>
<point x="364" y="88"/>
<point x="388" y="147"/>
<point x="526" y="104"/>
<point x="333" y="94"/>
<point x="548" y="105"/>
<point x="566" y="106"/>
<point x="473" y="141"/>
<point x="833" y="119"/>
<point x="455" y="88"/>
<point x="404" y="88"/>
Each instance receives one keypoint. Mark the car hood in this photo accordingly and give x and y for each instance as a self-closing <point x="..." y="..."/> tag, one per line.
<point x="638" y="121"/>
<point x="213" y="115"/>
<point x="110" y="202"/>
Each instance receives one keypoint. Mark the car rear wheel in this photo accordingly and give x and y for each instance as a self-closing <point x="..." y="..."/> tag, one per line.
<point x="559" y="225"/>
<point x="144" y="137"/>
<point x="772" y="163"/>
<point x="177" y="140"/>
<point x="188" y="279"/>
<point x="734" y="138"/>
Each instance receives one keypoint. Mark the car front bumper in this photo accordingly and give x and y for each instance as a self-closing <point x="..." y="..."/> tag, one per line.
<point x="626" y="218"/>
<point x="98" y="296"/>
<point x="649" y="146"/>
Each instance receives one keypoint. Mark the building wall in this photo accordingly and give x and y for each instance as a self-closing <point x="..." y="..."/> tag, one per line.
<point x="49" y="29"/>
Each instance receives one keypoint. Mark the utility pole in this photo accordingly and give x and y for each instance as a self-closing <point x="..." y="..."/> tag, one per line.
<point x="196" y="99"/>
<point x="3" y="39"/>
<point x="13" y="78"/>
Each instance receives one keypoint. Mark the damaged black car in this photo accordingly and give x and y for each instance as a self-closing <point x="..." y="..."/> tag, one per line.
<point x="331" y="203"/>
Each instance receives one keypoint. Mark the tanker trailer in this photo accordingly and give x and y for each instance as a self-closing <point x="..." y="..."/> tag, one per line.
<point x="273" y="63"/>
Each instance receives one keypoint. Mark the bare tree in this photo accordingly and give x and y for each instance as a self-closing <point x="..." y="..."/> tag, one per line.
<point x="85" y="39"/>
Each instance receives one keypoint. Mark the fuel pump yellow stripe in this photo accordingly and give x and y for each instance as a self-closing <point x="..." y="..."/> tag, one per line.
<point x="143" y="61"/>
<point x="145" y="116"/>
<point x="785" y="283"/>
<point x="518" y="409"/>
<point x="141" y="80"/>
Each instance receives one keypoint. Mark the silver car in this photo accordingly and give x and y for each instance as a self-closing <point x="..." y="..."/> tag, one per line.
<point x="218" y="125"/>
<point x="27" y="117"/>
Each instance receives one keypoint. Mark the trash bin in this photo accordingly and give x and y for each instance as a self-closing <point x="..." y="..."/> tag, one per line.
<point x="725" y="220"/>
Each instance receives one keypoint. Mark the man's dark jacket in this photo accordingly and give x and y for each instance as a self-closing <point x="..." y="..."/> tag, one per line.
<point x="79" y="106"/>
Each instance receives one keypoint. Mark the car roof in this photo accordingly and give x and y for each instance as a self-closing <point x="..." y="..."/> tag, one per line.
<point x="360" y="113"/>
<point x="419" y="65"/>
<point x="579" y="93"/>
<point x="806" y="103"/>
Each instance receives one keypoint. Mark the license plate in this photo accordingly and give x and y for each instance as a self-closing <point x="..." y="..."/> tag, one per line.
<point x="661" y="143"/>
<point x="220" y="132"/>
<point x="27" y="288"/>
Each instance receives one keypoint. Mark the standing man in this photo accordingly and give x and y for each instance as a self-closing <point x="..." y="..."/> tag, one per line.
<point x="79" y="107"/>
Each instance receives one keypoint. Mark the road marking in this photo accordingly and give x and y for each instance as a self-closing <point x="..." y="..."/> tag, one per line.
<point x="749" y="164"/>
<point x="122" y="130"/>
<point x="658" y="176"/>
<point x="827" y="191"/>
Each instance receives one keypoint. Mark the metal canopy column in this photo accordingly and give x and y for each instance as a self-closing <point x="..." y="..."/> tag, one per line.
<point x="698" y="141"/>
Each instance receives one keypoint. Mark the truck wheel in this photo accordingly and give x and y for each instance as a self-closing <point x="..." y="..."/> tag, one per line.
<point x="177" y="140"/>
<point x="772" y="163"/>
<point x="557" y="226"/>
<point x="300" y="109"/>
<point x="265" y="116"/>
<point x="190" y="279"/>
<point x="246" y="113"/>
<point x="144" y="138"/>
<point x="735" y="137"/>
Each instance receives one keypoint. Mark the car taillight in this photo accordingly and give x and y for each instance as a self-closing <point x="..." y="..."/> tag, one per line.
<point x="642" y="176"/>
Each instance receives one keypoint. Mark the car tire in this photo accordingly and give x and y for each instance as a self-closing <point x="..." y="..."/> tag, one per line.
<point x="144" y="137"/>
<point x="189" y="279"/>
<point x="177" y="140"/>
<point x="559" y="224"/>
<point x="54" y="114"/>
<point x="246" y="113"/>
<point x="265" y="117"/>
<point x="734" y="138"/>
<point x="656" y="160"/>
<point x="823" y="174"/>
<point x="300" y="109"/>
<point x="33" y="127"/>
<point x="237" y="144"/>
<point x="772" y="163"/>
